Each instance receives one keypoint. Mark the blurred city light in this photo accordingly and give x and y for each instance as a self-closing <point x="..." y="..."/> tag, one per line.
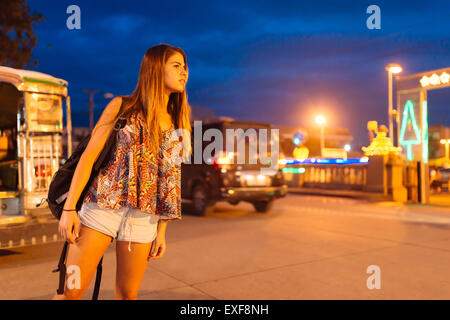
<point x="320" y="120"/>
<point x="325" y="161"/>
<point x="394" y="68"/>
<point x="294" y="170"/>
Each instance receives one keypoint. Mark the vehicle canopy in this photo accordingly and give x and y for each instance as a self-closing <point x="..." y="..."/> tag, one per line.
<point x="15" y="81"/>
<point x="33" y="81"/>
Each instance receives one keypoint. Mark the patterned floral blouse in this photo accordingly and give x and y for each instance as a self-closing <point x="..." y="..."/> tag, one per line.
<point x="135" y="178"/>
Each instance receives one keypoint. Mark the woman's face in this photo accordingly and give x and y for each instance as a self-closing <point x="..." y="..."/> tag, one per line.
<point x="175" y="75"/>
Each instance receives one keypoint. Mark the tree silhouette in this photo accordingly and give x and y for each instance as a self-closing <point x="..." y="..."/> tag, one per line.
<point x="17" y="38"/>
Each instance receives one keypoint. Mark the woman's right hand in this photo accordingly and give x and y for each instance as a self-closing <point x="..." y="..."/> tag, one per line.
<point x="69" y="226"/>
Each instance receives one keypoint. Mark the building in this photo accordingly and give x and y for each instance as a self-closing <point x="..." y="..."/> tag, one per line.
<point x="435" y="134"/>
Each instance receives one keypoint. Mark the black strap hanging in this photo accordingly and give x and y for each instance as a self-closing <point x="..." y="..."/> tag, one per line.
<point x="98" y="279"/>
<point x="62" y="273"/>
<point x="62" y="269"/>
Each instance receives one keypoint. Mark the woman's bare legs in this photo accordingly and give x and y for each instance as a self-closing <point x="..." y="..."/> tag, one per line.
<point x="131" y="268"/>
<point x="85" y="255"/>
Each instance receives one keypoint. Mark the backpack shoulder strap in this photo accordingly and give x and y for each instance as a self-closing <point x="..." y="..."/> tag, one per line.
<point x="62" y="269"/>
<point x="121" y="121"/>
<point x="98" y="279"/>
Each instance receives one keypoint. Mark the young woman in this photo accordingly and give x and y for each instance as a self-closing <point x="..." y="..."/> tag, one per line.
<point x="138" y="191"/>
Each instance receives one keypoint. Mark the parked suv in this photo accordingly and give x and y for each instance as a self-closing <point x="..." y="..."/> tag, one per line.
<point x="221" y="178"/>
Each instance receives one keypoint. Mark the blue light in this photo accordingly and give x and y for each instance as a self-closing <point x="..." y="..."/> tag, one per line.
<point x="298" y="137"/>
<point x="327" y="161"/>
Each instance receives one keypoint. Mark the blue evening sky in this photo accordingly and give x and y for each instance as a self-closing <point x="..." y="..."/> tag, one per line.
<point x="280" y="62"/>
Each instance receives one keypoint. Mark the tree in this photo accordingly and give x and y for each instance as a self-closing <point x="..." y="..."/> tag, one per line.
<point x="17" y="39"/>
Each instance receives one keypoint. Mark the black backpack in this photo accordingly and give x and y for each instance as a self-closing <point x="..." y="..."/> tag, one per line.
<point x="59" y="189"/>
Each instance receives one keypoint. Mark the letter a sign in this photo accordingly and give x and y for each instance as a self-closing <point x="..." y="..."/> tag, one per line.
<point x="409" y="116"/>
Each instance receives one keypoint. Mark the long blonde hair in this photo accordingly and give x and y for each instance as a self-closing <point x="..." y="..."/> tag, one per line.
<point x="148" y="96"/>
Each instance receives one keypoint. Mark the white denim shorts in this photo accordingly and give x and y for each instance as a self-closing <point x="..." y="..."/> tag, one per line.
<point x="122" y="224"/>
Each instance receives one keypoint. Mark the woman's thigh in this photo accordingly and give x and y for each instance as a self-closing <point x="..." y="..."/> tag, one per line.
<point x="82" y="259"/>
<point x="131" y="266"/>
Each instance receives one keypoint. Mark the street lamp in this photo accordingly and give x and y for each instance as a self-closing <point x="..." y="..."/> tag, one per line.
<point x="91" y="104"/>
<point x="320" y="120"/>
<point x="391" y="69"/>
<point x="446" y="142"/>
<point x="347" y="149"/>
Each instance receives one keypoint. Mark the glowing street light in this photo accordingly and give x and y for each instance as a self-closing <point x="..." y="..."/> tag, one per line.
<point x="320" y="120"/>
<point x="347" y="147"/>
<point x="392" y="68"/>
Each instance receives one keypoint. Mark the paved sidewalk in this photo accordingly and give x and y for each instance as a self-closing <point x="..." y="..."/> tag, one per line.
<point x="305" y="248"/>
<point x="442" y="199"/>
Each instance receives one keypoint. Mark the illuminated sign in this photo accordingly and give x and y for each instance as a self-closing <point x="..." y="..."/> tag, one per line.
<point x="294" y="170"/>
<point x="435" y="80"/>
<point x="409" y="116"/>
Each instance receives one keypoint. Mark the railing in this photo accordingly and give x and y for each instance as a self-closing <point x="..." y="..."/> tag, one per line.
<point x="327" y="176"/>
<point x="389" y="176"/>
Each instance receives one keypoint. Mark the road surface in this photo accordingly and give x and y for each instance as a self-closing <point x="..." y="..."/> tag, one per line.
<point x="307" y="247"/>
